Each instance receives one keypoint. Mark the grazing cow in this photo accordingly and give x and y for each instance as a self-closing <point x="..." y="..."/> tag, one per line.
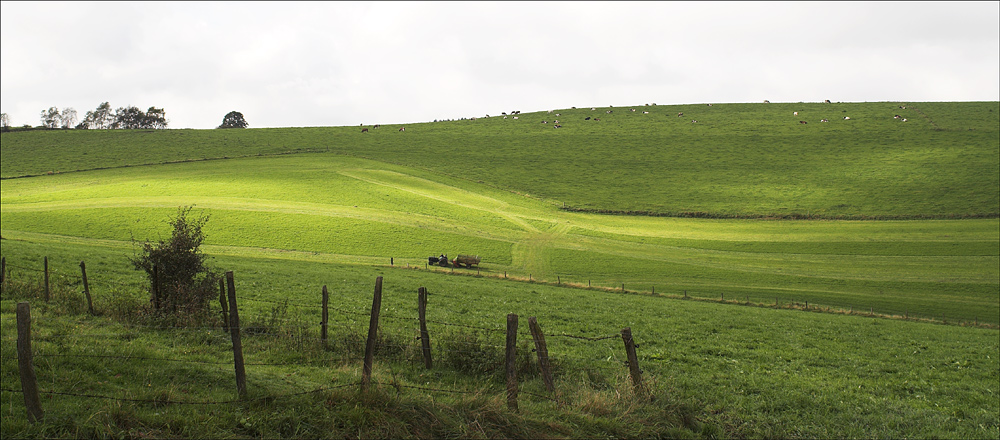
<point x="402" y="129"/>
<point x="710" y="105"/>
<point x="544" y="122"/>
<point x="680" y="114"/>
<point x="803" y="122"/>
<point x="902" y="107"/>
<point x="824" y="120"/>
<point x="904" y="119"/>
<point x="827" y="101"/>
<point x="597" y="119"/>
<point x="846" y="118"/>
<point x="895" y="117"/>
<point x="515" y="117"/>
<point x="592" y="109"/>
<point x="609" y="112"/>
<point x="631" y="109"/>
<point x="694" y="121"/>
<point x="587" y="118"/>
<point x="795" y="113"/>
<point x="557" y="126"/>
<point x="376" y="126"/>
<point x="645" y="113"/>
<point x="364" y="130"/>
<point x="557" y="114"/>
<point x="767" y="102"/>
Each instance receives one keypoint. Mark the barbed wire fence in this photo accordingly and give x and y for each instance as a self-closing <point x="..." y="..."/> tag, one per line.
<point x="476" y="342"/>
<point x="471" y="348"/>
<point x="776" y="301"/>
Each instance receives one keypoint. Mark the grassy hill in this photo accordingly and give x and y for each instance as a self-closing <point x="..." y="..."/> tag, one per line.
<point x="294" y="209"/>
<point x="736" y="160"/>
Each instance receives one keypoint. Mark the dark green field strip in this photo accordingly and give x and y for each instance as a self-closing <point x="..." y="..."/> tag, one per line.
<point x="872" y="248"/>
<point x="965" y="301"/>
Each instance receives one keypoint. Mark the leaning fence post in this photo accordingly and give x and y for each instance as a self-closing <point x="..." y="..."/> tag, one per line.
<point x="86" y="288"/>
<point x="29" y="383"/>
<point x="234" y="329"/>
<point x="325" y="319"/>
<point x="46" y="279"/>
<point x="512" y="362"/>
<point x="425" y="339"/>
<point x="366" y="372"/>
<point x="222" y="303"/>
<point x="543" y="353"/>
<point x="633" y="360"/>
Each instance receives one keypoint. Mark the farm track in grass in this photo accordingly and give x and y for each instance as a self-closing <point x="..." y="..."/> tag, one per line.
<point x="350" y="210"/>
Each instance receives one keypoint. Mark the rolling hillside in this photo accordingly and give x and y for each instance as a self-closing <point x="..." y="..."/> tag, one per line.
<point x="736" y="160"/>
<point x="739" y="223"/>
<point x="458" y="187"/>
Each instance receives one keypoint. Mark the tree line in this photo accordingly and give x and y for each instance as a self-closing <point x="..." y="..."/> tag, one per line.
<point x="103" y="117"/>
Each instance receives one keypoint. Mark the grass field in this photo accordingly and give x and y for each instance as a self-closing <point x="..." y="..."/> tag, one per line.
<point x="296" y="208"/>
<point x="756" y="372"/>
<point x="365" y="211"/>
<point x="737" y="160"/>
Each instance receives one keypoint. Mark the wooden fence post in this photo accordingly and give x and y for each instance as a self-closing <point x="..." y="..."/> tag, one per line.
<point x="543" y="353"/>
<point x="425" y="339"/>
<point x="366" y="372"/>
<point x="512" y="362"/>
<point x="325" y="319"/>
<point x="633" y="360"/>
<point x="222" y="303"/>
<point x="29" y="383"/>
<point x="86" y="288"/>
<point x="234" y="329"/>
<point x="46" y="279"/>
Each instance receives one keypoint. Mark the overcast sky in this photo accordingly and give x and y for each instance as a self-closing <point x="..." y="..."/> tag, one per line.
<point x="287" y="64"/>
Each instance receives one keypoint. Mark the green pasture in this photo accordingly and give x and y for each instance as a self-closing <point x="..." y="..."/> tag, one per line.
<point x="742" y="160"/>
<point x="754" y="371"/>
<point x="354" y="210"/>
<point x="859" y="215"/>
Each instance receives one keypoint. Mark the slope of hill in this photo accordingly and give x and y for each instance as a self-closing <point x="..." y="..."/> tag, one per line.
<point x="737" y="160"/>
<point x="295" y="209"/>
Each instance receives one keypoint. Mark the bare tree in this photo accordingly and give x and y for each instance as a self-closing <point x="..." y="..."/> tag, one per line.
<point x="155" y="118"/>
<point x="5" y="121"/>
<point x="68" y="117"/>
<point x="51" y="118"/>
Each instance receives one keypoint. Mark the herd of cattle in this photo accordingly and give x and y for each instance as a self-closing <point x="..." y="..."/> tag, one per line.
<point x="557" y="124"/>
